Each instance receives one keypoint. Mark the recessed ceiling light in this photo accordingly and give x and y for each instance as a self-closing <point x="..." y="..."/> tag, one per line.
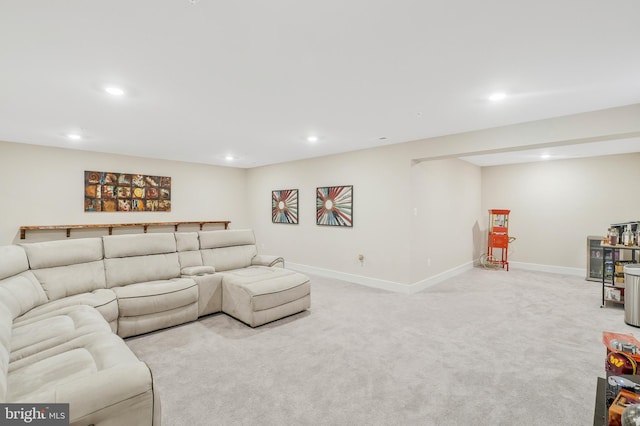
<point x="114" y="90"/>
<point x="498" y="96"/>
<point x="545" y="156"/>
<point x="229" y="158"/>
<point x="312" y="139"/>
<point x="74" y="136"/>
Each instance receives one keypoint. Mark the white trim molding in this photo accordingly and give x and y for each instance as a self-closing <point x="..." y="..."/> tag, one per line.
<point x="438" y="278"/>
<point x="382" y="284"/>
<point x="352" y="278"/>
<point x="427" y="282"/>
<point x="564" y="270"/>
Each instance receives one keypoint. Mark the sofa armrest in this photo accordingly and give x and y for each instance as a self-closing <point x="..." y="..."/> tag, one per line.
<point x="191" y="271"/>
<point x="267" y="260"/>
<point x="106" y="388"/>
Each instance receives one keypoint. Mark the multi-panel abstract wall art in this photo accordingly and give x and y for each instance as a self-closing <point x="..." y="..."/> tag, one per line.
<point x="124" y="192"/>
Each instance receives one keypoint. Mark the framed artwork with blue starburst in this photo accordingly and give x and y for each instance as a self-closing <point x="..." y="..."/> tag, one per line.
<point x="284" y="206"/>
<point x="334" y="206"/>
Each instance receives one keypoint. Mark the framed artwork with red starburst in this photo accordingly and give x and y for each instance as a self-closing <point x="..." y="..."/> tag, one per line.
<point x="284" y="206"/>
<point x="334" y="206"/>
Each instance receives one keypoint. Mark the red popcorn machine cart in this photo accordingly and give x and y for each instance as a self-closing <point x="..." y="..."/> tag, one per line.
<point x="498" y="240"/>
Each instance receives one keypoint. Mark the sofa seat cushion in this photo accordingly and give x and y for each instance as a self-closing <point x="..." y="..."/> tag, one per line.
<point x="91" y="373"/>
<point x="268" y="287"/>
<point x="54" y="328"/>
<point x="104" y="300"/>
<point x="152" y="305"/>
<point x="156" y="296"/>
<point x="249" y="291"/>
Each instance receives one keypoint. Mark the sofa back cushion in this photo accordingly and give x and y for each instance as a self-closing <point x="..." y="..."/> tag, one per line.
<point x="226" y="238"/>
<point x="138" y="269"/>
<point x="188" y="249"/>
<point x="50" y="254"/>
<point x="13" y="260"/>
<point x="67" y="267"/>
<point x="64" y="281"/>
<point x="228" y="249"/>
<point x="21" y="293"/>
<point x="5" y="348"/>
<point x="187" y="241"/>
<point x="138" y="244"/>
<point x="139" y="258"/>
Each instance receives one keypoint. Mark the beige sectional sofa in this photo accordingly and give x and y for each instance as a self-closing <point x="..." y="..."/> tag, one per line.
<point x="66" y="305"/>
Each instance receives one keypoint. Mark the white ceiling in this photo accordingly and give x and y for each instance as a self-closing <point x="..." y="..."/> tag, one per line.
<point x="253" y="79"/>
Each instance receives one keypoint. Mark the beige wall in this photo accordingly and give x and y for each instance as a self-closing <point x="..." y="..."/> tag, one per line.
<point x="418" y="212"/>
<point x="381" y="220"/>
<point x="44" y="186"/>
<point x="416" y="218"/>
<point x="445" y="228"/>
<point x="411" y="221"/>
<point x="556" y="204"/>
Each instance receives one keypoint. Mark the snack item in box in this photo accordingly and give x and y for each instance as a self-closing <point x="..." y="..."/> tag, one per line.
<point x="624" y="343"/>
<point x="620" y="363"/>
<point x="622" y="401"/>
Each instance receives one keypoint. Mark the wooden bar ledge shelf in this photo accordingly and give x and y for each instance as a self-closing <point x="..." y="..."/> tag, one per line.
<point x="110" y="226"/>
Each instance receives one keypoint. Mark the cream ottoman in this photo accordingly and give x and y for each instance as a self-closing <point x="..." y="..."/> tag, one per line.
<point x="257" y="295"/>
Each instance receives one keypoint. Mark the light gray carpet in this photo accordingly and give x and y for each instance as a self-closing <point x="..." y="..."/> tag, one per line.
<point x="483" y="348"/>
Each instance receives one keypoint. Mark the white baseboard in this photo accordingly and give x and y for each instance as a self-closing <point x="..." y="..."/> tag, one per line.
<point x="564" y="270"/>
<point x="382" y="284"/>
<point x="352" y="278"/>
<point x="427" y="282"/>
<point x="438" y="278"/>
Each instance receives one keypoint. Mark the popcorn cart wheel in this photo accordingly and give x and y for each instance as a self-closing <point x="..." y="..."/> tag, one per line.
<point x="489" y="262"/>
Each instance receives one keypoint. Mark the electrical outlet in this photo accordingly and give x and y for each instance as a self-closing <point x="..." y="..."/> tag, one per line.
<point x="428" y="262"/>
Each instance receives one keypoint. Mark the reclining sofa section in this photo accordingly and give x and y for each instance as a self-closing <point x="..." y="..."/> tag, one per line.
<point x="66" y="352"/>
<point x="62" y="301"/>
